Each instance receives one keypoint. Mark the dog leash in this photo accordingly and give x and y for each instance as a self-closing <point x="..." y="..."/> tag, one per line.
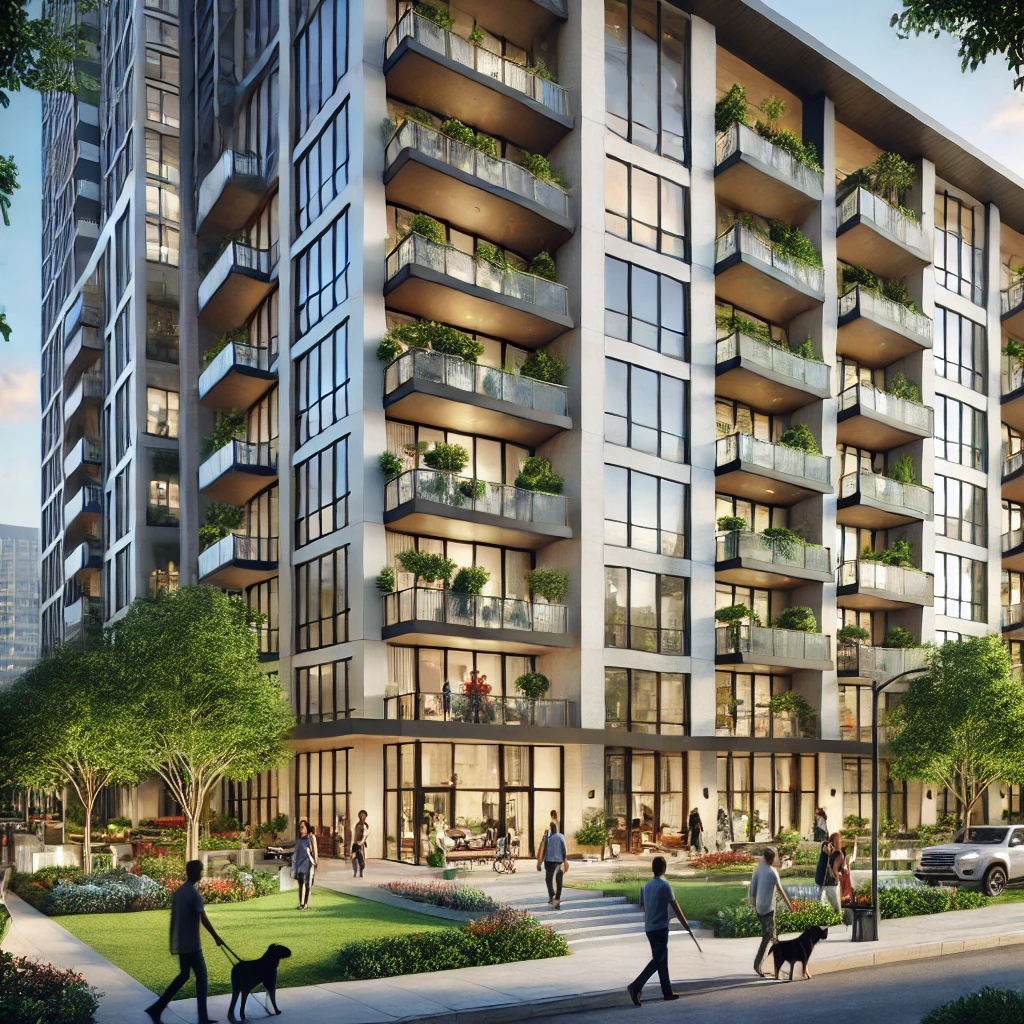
<point x="227" y="949"/>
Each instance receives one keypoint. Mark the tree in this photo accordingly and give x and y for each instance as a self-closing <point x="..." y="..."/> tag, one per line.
<point x="190" y="663"/>
<point x="961" y="725"/>
<point x="984" y="28"/>
<point x="66" y="722"/>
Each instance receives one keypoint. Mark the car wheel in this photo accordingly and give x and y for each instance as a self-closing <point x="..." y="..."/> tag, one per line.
<point x="995" y="881"/>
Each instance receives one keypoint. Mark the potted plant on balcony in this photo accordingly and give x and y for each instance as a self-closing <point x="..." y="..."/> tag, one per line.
<point x="536" y="475"/>
<point x="448" y="460"/>
<point x="229" y="427"/>
<point x="468" y="583"/>
<point x="732" y="617"/>
<point x="899" y="638"/>
<point x="549" y="584"/>
<point x="385" y="581"/>
<point x="792" y="712"/>
<point x="799" y="618"/>
<point x="800" y="437"/>
<point x="545" y="366"/>
<point x="390" y="465"/>
<point x="731" y="524"/>
<point x="533" y="686"/>
<point x="428" y="566"/>
<point x="492" y="264"/>
<point x="221" y="519"/>
<point x="784" y="540"/>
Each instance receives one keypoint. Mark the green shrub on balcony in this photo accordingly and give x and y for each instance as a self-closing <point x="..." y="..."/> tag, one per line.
<point x="533" y="685"/>
<point x="785" y="539"/>
<point x="540" y="167"/>
<point x="486" y="145"/>
<point x="446" y="458"/>
<point x="388" y="350"/>
<point x="537" y="475"/>
<point x="889" y="177"/>
<point x="229" y="427"/>
<point x="458" y="131"/>
<point x="898" y="638"/>
<point x="236" y="336"/>
<point x="805" y="349"/>
<point x="476" y="37"/>
<point x="899" y="554"/>
<point x="731" y="322"/>
<point x="438" y="15"/>
<point x="800" y="437"/>
<point x="541" y="70"/>
<point x="901" y="386"/>
<point x="799" y="618"/>
<point x="427" y="566"/>
<point x="546" y="367"/>
<point x="735" y="613"/>
<point x="488" y="253"/>
<point x="731" y="108"/>
<point x="473" y="489"/>
<point x="385" y="581"/>
<point x="852" y="634"/>
<point x="792" y="703"/>
<point x="729" y="524"/>
<point x="470" y="580"/>
<point x="888" y="288"/>
<point x="432" y="230"/>
<point x="551" y="584"/>
<point x="390" y="465"/>
<point x="543" y="265"/>
<point x="1014" y="349"/>
<point x="902" y="470"/>
<point x="221" y="519"/>
<point x="792" y="244"/>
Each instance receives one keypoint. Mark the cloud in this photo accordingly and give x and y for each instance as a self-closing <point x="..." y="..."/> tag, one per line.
<point x="19" y="394"/>
<point x="1009" y="113"/>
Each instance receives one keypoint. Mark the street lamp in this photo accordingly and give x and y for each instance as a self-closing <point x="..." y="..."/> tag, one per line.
<point x="876" y="691"/>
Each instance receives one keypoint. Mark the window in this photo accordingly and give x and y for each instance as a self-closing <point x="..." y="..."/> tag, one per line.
<point x="162" y="106"/>
<point x="653" y="702"/>
<point x="321" y="58"/>
<point x="122" y="577"/>
<point x="161" y="412"/>
<point x="959" y="587"/>
<point x="162" y="333"/>
<point x="959" y="349"/>
<point x="264" y="598"/>
<point x="123" y="420"/>
<point x="162" y="33"/>
<point x="164" y="503"/>
<point x="958" y="247"/>
<point x="1012" y="525"/>
<point x="645" y="308"/>
<point x="123" y="254"/>
<point x="322" y="171"/>
<point x="322" y="596"/>
<point x="959" y="433"/>
<point x="760" y="793"/>
<point x="421" y="671"/>
<point x="321" y="484"/>
<point x="645" y="611"/>
<point x="645" y="410"/>
<point x="644" y="208"/>
<point x="892" y="794"/>
<point x="322" y="383"/>
<point x="253" y="801"/>
<point x="645" y="74"/>
<point x="758" y="517"/>
<point x="322" y="275"/>
<point x="644" y="512"/>
<point x="163" y="157"/>
<point x="161" y="66"/>
<point x="960" y="510"/>
<point x="322" y="795"/>
<point x="321" y="692"/>
<point x="742" y="708"/>
<point x="122" y="510"/>
<point x="855" y="713"/>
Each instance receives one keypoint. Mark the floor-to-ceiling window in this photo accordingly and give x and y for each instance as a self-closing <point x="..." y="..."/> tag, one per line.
<point x="646" y="795"/>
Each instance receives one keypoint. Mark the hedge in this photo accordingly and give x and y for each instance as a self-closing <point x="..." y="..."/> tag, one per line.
<point x="39" y="993"/>
<point x="988" y="1006"/>
<point x="912" y="901"/>
<point x="742" y="923"/>
<point x="5" y="922"/>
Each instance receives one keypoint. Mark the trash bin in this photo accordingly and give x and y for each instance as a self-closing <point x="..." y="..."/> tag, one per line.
<point x="864" y="925"/>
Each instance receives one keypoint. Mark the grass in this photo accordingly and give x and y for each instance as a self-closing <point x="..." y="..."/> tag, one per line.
<point x="698" y="900"/>
<point x="138" y="943"/>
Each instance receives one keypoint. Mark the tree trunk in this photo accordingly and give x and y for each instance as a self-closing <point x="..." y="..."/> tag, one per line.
<point x="89" y="796"/>
<point x="191" y="833"/>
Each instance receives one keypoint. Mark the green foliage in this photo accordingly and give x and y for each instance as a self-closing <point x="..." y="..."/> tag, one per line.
<point x="741" y="922"/>
<point x="427" y="566"/>
<point x="902" y="470"/>
<point x="541" y="70"/>
<point x="793" y="244"/>
<point x="385" y="581"/>
<point x="899" y="554"/>
<point x="902" y="387"/>
<point x="35" y="992"/>
<point x="735" y="613"/>
<point x="533" y="685"/>
<point x="5" y="922"/>
<point x="853" y="823"/>
<point x="221" y="519"/>
<point x="891" y="177"/>
<point x="852" y="634"/>
<point x="961" y="723"/>
<point x="1014" y="349"/>
<point x="913" y="901"/>
<point x="773" y="107"/>
<point x="470" y="580"/>
<point x="787" y="840"/>
<point x="784" y="539"/>
<point x="896" y="291"/>
<point x="594" y="830"/>
<point x="8" y="183"/>
<point x="540" y="167"/>
<point x="543" y="266"/>
<point x="388" y="349"/>
<point x="731" y="108"/>
<point x="446" y="458"/>
<point x="989" y="1005"/>
<point x="545" y="366"/>
<point x="790" y="702"/>
<point x="229" y="426"/>
<point x="390" y="465"/>
<point x="491" y="254"/>
<point x="551" y="584"/>
<point x="237" y="335"/>
<point x="799" y="436"/>
<point x="900" y="638"/>
<point x="472" y="488"/>
<point x="860" y="275"/>
<point x="537" y="475"/>
<point x="428" y="334"/>
<point x="799" y="617"/>
<point x="476" y="37"/>
<point x="438" y="15"/>
<point x="421" y="224"/>
<point x="731" y="322"/>
<point x="804" y="349"/>
<point x="458" y="131"/>
<point x="436" y="857"/>
<point x="728" y="524"/>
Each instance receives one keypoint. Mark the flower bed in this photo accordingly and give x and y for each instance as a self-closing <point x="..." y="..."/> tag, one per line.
<point x="39" y="993"/>
<point x="504" y="937"/>
<point x="742" y="923"/>
<point x="449" y="895"/>
<point x="722" y="862"/>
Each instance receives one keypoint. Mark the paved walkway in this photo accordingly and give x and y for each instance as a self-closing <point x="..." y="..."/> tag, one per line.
<point x="594" y="976"/>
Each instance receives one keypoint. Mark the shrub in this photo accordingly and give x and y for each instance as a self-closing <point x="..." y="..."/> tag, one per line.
<point x="546" y="367"/>
<point x="446" y="458"/>
<point x="421" y="224"/>
<point x="805" y="349"/>
<point x="540" y="167"/>
<point x="491" y="254"/>
<point x="727" y="524"/>
<point x="486" y="145"/>
<point x="470" y="580"/>
<point x="5" y="922"/>
<point x="436" y="858"/>
<point x="787" y="841"/>
<point x="793" y="244"/>
<point x="986" y="1006"/>
<point x="799" y="617"/>
<point x="231" y="425"/>
<point x="388" y="349"/>
<point x="68" y="898"/>
<point x="913" y="901"/>
<point x="729" y="321"/>
<point x="742" y="923"/>
<point x="897" y="636"/>
<point x="896" y="291"/>
<point x="458" y="131"/>
<point x="902" y="387"/>
<point x="594" y="830"/>
<point x="533" y="685"/>
<point x="390" y="465"/>
<point x="784" y="539"/>
<point x="420" y="116"/>
<point x="438" y="338"/>
<point x="476" y="37"/>
<point x="32" y="887"/>
<point x="438" y="15"/>
<point x="32" y="992"/>
<point x="800" y="437"/>
<point x="853" y="823"/>
<point x="543" y="265"/>
<point x="790" y="702"/>
<point x="386" y="580"/>
<point x="734" y="613"/>
<point x="722" y="861"/>
<point x="537" y="475"/>
<point x="427" y="566"/>
<point x="860" y="275"/>
<point x="162" y="868"/>
<point x="450" y="895"/>
<point x="731" y="108"/>
<point x="474" y="489"/>
<point x="902" y="470"/>
<point x="851" y="634"/>
<point x="551" y="584"/>
<point x="219" y="843"/>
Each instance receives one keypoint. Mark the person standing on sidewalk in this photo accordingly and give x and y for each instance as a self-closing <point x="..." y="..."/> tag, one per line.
<point x="656" y="897"/>
<point x="359" y="836"/>
<point x="763" y="887"/>
<point x="187" y="913"/>
<point x="554" y="858"/>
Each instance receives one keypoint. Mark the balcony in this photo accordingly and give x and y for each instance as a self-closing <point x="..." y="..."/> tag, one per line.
<point x="425" y="501"/>
<point x="163" y="515"/>
<point x="85" y="457"/>
<point x="87" y="557"/>
<point x="429" y="67"/>
<point x="81" y="350"/>
<point x="750" y="274"/>
<point x="1013" y="550"/>
<point x="236" y="284"/>
<point x="875" y="502"/>
<point x="873" y="234"/>
<point x="477" y="193"/>
<point x="1013" y="476"/>
<point x="447" y="392"/>
<point x="858" y="661"/>
<point x="87" y="200"/>
<point x="85" y="312"/>
<point x="87" y="394"/>
<point x="485" y="710"/>
<point x="231" y="193"/>
<point x="762" y="471"/>
<point x="519" y="22"/>
<point x="437" y="282"/>
<point x="82" y="513"/>
<point x="238" y="472"/>
<point x="1011" y="308"/>
<point x="873" y="419"/>
<point x="433" y="618"/>
<point x="1012" y="391"/>
<point x="875" y="331"/>
<point x="767" y="377"/>
<point x="756" y="560"/>
<point x="235" y="562"/>
<point x="752" y="173"/>
<point x="238" y="376"/>
<point x="81" y="614"/>
<point x="873" y="586"/>
<point x="772" y="648"/>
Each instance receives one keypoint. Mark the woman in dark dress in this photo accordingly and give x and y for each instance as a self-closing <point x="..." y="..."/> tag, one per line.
<point x="696" y="829"/>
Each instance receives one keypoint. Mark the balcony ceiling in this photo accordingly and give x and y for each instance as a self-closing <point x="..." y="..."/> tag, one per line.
<point x="240" y="484"/>
<point x="238" y="574"/>
<point x="871" y="514"/>
<point x="240" y="388"/>
<point x="863" y="243"/>
<point x="755" y="484"/>
<point x="1013" y="486"/>
<point x="425" y="633"/>
<point x="520" y="21"/>
<point x="749" y="572"/>
<point x="875" y="342"/>
<point x="1012" y="409"/>
<point x="865" y="428"/>
<point x="745" y="183"/>
<point x="758" y="662"/>
<point x="1013" y="320"/>
<point x="437" y="519"/>
<point x="744" y="281"/>
<point x="761" y="388"/>
<point x="235" y="298"/>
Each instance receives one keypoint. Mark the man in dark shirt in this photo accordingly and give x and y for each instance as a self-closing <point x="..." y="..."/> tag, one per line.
<point x="656" y="897"/>
<point x="186" y="914"/>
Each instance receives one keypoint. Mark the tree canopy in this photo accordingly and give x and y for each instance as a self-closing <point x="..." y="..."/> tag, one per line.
<point x="961" y="724"/>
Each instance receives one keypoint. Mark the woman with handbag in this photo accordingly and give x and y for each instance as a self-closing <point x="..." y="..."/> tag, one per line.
<point x="304" y="861"/>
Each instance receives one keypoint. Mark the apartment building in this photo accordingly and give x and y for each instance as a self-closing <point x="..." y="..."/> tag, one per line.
<point x="485" y="283"/>
<point x="19" y="601"/>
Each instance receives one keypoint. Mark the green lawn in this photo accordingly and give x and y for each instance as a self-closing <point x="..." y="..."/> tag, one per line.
<point x="138" y="943"/>
<point x="698" y="900"/>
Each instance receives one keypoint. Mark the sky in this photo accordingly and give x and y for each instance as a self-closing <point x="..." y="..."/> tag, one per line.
<point x="981" y="107"/>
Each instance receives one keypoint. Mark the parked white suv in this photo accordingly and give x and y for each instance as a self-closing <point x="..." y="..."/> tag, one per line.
<point x="989" y="857"/>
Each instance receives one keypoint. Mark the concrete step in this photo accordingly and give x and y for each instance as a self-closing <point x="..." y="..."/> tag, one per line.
<point x="549" y="915"/>
<point x="566" y="923"/>
<point x="541" y="902"/>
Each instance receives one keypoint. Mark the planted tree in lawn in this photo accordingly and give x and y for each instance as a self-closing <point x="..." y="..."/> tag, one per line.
<point x="66" y="723"/>
<point x="961" y="724"/>
<point x="190" y="664"/>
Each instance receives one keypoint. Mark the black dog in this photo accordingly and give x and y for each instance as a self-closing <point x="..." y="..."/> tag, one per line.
<point x="798" y="949"/>
<point x="247" y="974"/>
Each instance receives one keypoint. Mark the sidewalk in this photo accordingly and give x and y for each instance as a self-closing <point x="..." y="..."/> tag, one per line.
<point x="593" y="977"/>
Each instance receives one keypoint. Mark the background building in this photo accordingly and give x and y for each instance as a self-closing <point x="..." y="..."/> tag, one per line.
<point x="19" y="601"/>
<point x="217" y="411"/>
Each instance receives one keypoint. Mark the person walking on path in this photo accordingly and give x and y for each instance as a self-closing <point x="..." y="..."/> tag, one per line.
<point x="696" y="829"/>
<point x="554" y="858"/>
<point x="304" y="862"/>
<point x="187" y="913"/>
<point x="822" y="876"/>
<point x="359" y="837"/>
<point x="821" y="825"/>
<point x="656" y="897"/>
<point x="763" y="887"/>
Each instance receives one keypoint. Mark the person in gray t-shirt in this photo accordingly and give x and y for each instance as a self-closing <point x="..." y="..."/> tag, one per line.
<point x="656" y="899"/>
<point x="554" y="857"/>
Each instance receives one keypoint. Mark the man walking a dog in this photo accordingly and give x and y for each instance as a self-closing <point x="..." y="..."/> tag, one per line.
<point x="763" y="887"/>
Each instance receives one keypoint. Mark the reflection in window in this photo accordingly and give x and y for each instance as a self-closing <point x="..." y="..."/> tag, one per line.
<point x="960" y="510"/>
<point x="321" y="692"/>
<point x="645" y="410"/>
<point x="644" y="512"/>
<point x="322" y="171"/>
<point x="645" y="308"/>
<point x="321" y="277"/>
<point x="161" y="412"/>
<point x="959" y="433"/>
<point x="958" y="251"/>
<point x="652" y="702"/>
<point x="321" y="485"/>
<point x="321" y="589"/>
<point x="321" y="58"/>
<point x="644" y="208"/>
<point x="321" y="376"/>
<point x="645" y="611"/>
<point x="959" y="349"/>
<point x="959" y="587"/>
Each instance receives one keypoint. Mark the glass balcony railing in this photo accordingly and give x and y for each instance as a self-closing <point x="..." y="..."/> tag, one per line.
<point x="1012" y="539"/>
<point x="894" y="581"/>
<point x="862" y="300"/>
<point x="740" y="239"/>
<point x="741" y="139"/>
<point x="483" y="710"/>
<point x="237" y="454"/>
<point x="461" y="51"/>
<point x="462" y="266"/>
<point x="913" y="497"/>
<point x="784" y="554"/>
<point x="1011" y="616"/>
<point x="476" y="496"/>
<point x="774" y="358"/>
<point x="917" y="417"/>
<point x="1011" y="376"/>
<point x="476" y="379"/>
<point x="234" y="548"/>
<point x="787" y="644"/>
<point x="501" y="173"/>
<point x="877" y="662"/>
<point x="476" y="611"/>
<point x="772" y="457"/>
<point x="1012" y="462"/>
<point x="875" y="209"/>
<point x="237" y="353"/>
<point x="1011" y="298"/>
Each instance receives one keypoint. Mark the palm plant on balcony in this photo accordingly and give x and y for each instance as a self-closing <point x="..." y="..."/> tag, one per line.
<point x="229" y="427"/>
<point x="800" y="437"/>
<point x="799" y="618"/>
<point x="889" y="177"/>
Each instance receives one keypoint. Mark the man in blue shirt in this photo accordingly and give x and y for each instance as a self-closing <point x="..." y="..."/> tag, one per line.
<point x="656" y="897"/>
<point x="555" y="857"/>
